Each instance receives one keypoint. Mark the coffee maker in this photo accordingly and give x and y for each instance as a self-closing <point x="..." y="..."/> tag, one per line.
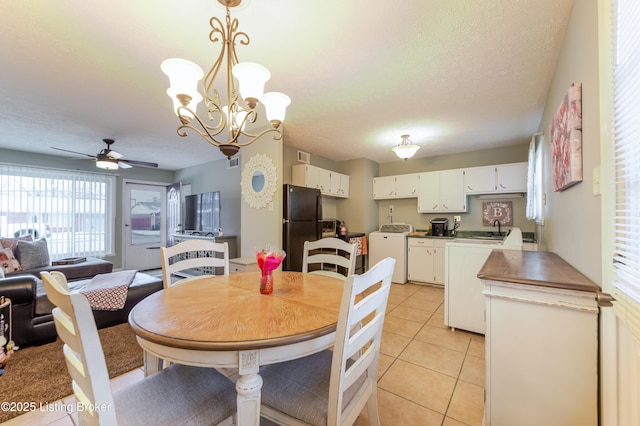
<point x="440" y="226"/>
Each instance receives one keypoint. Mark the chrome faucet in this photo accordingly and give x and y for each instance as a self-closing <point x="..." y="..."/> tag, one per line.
<point x="499" y="231"/>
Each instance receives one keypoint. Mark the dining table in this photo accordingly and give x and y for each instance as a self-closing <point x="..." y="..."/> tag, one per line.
<point x="224" y="322"/>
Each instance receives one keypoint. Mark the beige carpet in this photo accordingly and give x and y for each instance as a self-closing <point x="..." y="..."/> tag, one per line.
<point x="39" y="373"/>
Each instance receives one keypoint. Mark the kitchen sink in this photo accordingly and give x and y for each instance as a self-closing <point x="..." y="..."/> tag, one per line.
<point x="487" y="237"/>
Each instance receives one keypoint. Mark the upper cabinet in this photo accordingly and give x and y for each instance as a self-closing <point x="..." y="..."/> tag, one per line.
<point x="400" y="186"/>
<point x="328" y="182"/>
<point x="503" y="178"/>
<point x="442" y="192"/>
<point x="511" y="177"/>
<point x="339" y="185"/>
<point x="480" y="180"/>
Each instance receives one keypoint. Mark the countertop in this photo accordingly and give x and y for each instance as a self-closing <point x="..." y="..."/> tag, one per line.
<point x="535" y="268"/>
<point x="527" y="237"/>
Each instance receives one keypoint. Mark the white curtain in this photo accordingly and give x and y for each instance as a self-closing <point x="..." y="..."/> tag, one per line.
<point x="534" y="207"/>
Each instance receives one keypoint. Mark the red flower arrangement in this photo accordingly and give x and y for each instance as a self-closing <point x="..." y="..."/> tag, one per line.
<point x="268" y="261"/>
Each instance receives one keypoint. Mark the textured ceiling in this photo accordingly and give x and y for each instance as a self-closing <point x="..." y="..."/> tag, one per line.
<point x="456" y="75"/>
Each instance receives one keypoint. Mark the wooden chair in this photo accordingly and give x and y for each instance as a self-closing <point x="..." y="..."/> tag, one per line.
<point x="332" y="387"/>
<point x="326" y="252"/>
<point x="191" y="254"/>
<point x="176" y="395"/>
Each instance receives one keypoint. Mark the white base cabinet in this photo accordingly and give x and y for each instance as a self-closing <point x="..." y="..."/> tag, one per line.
<point x="541" y="356"/>
<point x="243" y="264"/>
<point x="425" y="260"/>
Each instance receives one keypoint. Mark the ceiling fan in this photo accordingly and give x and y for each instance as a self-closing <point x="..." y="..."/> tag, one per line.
<point x="111" y="160"/>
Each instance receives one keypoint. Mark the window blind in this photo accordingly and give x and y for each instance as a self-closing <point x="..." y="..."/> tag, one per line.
<point x="72" y="210"/>
<point x="626" y="146"/>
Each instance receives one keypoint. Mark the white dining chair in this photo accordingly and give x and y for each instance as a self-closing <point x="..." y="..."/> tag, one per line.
<point x="178" y="394"/>
<point x="333" y="387"/>
<point x="325" y="255"/>
<point x="192" y="254"/>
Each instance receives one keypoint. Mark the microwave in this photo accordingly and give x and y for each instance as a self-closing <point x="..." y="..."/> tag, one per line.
<point x="330" y="228"/>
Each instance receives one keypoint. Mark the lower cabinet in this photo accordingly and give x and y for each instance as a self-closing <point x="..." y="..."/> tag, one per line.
<point x="243" y="264"/>
<point x="541" y="356"/>
<point x="425" y="260"/>
<point x="541" y="343"/>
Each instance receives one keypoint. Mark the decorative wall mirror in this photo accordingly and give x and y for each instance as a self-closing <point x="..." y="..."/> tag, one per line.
<point x="258" y="181"/>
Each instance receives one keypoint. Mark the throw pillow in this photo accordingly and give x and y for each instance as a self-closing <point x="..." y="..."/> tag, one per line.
<point x="8" y="262"/>
<point x="32" y="254"/>
<point x="12" y="243"/>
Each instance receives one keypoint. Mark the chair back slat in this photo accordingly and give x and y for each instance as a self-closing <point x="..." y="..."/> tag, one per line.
<point x="358" y="334"/>
<point x="366" y="307"/>
<point x="326" y="252"/>
<point x="83" y="353"/>
<point x="361" y="337"/>
<point x="192" y="254"/>
<point x="355" y="370"/>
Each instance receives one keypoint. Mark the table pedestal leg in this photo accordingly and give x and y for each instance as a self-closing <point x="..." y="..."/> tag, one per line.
<point x="248" y="387"/>
<point x="152" y="364"/>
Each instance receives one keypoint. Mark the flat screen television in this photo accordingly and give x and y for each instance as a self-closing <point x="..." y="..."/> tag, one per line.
<point x="202" y="213"/>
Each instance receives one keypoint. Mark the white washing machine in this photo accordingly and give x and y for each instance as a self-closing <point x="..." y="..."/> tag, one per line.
<point x="391" y="241"/>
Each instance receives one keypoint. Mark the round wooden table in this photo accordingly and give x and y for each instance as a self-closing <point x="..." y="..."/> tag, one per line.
<point x="224" y="322"/>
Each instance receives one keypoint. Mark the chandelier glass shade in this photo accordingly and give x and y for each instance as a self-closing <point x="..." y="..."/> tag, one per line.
<point x="225" y="122"/>
<point x="406" y="149"/>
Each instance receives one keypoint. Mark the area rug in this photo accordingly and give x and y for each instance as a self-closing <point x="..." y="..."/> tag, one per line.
<point x="39" y="373"/>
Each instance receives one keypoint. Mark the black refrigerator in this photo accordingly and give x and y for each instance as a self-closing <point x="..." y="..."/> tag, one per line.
<point x="302" y="222"/>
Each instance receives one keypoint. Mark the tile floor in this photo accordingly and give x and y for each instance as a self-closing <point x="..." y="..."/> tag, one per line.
<point x="427" y="374"/>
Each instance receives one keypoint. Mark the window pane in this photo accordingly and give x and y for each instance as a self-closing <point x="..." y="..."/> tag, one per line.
<point x="72" y="210"/>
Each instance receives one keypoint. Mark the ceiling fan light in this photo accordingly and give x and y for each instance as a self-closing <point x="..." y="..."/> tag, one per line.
<point x="106" y="163"/>
<point x="276" y="104"/>
<point x="251" y="79"/>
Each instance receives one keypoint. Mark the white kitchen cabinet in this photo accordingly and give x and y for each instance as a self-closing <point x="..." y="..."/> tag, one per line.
<point x="407" y="185"/>
<point x="442" y="192"/>
<point x="502" y="178"/>
<point x="511" y="177"/>
<point x="541" y="345"/>
<point x="480" y="180"/>
<point x="399" y="186"/>
<point x="425" y="258"/>
<point x="328" y="182"/>
<point x="243" y="264"/>
<point x="339" y="185"/>
<point x="464" y="303"/>
<point x="438" y="261"/>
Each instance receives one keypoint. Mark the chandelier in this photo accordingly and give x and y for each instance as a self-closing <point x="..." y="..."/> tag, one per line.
<point x="406" y="149"/>
<point x="225" y="123"/>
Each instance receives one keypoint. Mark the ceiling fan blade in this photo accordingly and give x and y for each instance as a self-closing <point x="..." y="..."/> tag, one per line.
<point x="124" y="165"/>
<point x="139" y="163"/>
<point x="115" y="155"/>
<point x="74" y="152"/>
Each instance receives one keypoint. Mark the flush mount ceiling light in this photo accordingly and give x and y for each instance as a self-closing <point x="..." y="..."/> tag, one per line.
<point x="406" y="149"/>
<point x="231" y="117"/>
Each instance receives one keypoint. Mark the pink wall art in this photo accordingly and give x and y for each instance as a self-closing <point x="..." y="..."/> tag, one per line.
<point x="565" y="131"/>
